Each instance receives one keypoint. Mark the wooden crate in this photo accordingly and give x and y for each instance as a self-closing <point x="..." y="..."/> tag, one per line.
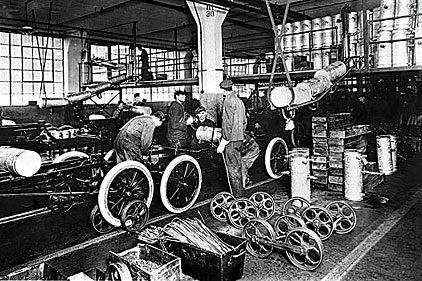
<point x="336" y="172"/>
<point x="320" y="141"/>
<point x="336" y="164"/>
<point x="320" y="180"/>
<point x="319" y="166"/>
<point x="350" y="132"/>
<point x="335" y="187"/>
<point x="336" y="179"/>
<point x="320" y="173"/>
<point x="169" y="265"/>
<point x="319" y="159"/>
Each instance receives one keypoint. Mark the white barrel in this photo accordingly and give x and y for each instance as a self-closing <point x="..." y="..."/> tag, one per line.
<point x="338" y="31"/>
<point x="393" y="145"/>
<point x="419" y="10"/>
<point x="288" y="37"/>
<point x="300" y="171"/>
<point x="385" y="163"/>
<point x="400" y="49"/>
<point x="317" y="59"/>
<point x="418" y="43"/>
<point x="353" y="180"/>
<point x="288" y="58"/>
<point x="353" y="22"/>
<point x="297" y="36"/>
<point x="403" y="8"/>
<point x="326" y="57"/>
<point x="281" y="39"/>
<point x="333" y="71"/>
<point x="327" y="34"/>
<point x="387" y="11"/>
<point x="384" y="58"/>
<point x="316" y="34"/>
<point x="209" y="134"/>
<point x="19" y="161"/>
<point x="306" y="28"/>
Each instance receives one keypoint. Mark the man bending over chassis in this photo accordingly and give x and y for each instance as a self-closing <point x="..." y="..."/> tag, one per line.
<point x="135" y="137"/>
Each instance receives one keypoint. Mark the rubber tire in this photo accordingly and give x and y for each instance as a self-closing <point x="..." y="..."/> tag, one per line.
<point x="108" y="179"/>
<point x="292" y="134"/>
<point x="267" y="158"/>
<point x="121" y="268"/>
<point x="165" y="177"/>
<point x="69" y="155"/>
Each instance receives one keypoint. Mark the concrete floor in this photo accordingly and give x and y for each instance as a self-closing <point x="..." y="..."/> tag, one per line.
<point x="385" y="245"/>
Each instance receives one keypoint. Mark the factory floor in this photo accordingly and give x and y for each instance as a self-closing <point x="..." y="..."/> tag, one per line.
<point x="386" y="243"/>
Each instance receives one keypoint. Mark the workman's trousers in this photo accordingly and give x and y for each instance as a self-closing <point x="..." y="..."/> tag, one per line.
<point x="127" y="148"/>
<point x="178" y="142"/>
<point x="233" y="158"/>
<point x="248" y="159"/>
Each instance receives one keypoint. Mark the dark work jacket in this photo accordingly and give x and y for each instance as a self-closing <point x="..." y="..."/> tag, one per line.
<point x="176" y="126"/>
<point x="234" y="118"/>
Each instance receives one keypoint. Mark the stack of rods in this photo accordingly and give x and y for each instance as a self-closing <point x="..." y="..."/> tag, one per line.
<point x="195" y="233"/>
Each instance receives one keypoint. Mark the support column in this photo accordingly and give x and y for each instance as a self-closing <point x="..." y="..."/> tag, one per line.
<point x="74" y="54"/>
<point x="209" y="18"/>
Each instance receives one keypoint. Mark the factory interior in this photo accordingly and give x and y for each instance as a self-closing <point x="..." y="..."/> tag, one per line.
<point x="211" y="140"/>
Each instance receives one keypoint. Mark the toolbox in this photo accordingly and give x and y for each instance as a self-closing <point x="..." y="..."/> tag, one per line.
<point x="146" y="262"/>
<point x="204" y="265"/>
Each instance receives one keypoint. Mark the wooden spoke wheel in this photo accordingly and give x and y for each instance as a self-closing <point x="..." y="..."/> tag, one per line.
<point x="134" y="215"/>
<point x="180" y="184"/>
<point x="276" y="161"/>
<point x="241" y="211"/>
<point x="127" y="181"/>
<point x="265" y="204"/>
<point x="319" y="220"/>
<point x="311" y="254"/>
<point x="295" y="206"/>
<point x="344" y="216"/>
<point x="258" y="228"/>
<point x="220" y="204"/>
<point x="99" y="224"/>
<point x="298" y="135"/>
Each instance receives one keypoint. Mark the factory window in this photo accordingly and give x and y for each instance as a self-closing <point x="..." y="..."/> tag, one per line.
<point x="31" y="68"/>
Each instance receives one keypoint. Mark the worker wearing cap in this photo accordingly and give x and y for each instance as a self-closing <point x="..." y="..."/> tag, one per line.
<point x="135" y="137"/>
<point x="233" y="132"/>
<point x="177" y="131"/>
<point x="201" y="118"/>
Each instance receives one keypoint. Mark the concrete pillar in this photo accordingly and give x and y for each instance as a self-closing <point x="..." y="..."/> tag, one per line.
<point x="209" y="18"/>
<point x="73" y="48"/>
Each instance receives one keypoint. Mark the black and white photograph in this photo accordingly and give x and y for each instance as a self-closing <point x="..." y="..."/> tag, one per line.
<point x="211" y="140"/>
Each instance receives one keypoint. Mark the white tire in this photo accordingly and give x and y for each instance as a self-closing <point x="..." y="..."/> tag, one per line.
<point x="70" y="155"/>
<point x="113" y="218"/>
<point x="180" y="182"/>
<point x="276" y="143"/>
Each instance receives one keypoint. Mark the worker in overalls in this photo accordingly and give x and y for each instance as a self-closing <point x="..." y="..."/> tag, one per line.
<point x="135" y="138"/>
<point x="233" y="133"/>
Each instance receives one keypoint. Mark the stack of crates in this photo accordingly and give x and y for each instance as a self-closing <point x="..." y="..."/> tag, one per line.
<point x="325" y="154"/>
<point x="338" y="141"/>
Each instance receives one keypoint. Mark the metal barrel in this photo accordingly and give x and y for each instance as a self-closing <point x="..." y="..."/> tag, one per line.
<point x="306" y="28"/>
<point x="384" y="49"/>
<point x="317" y="35"/>
<point x="387" y="11"/>
<point x="300" y="172"/>
<point x="353" y="180"/>
<point x="385" y="163"/>
<point x="393" y="145"/>
<point x="400" y="48"/>
<point x="19" y="161"/>
<point x="327" y="34"/>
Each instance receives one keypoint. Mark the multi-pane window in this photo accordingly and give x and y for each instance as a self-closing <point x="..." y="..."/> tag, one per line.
<point x="163" y="64"/>
<point x="31" y="67"/>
